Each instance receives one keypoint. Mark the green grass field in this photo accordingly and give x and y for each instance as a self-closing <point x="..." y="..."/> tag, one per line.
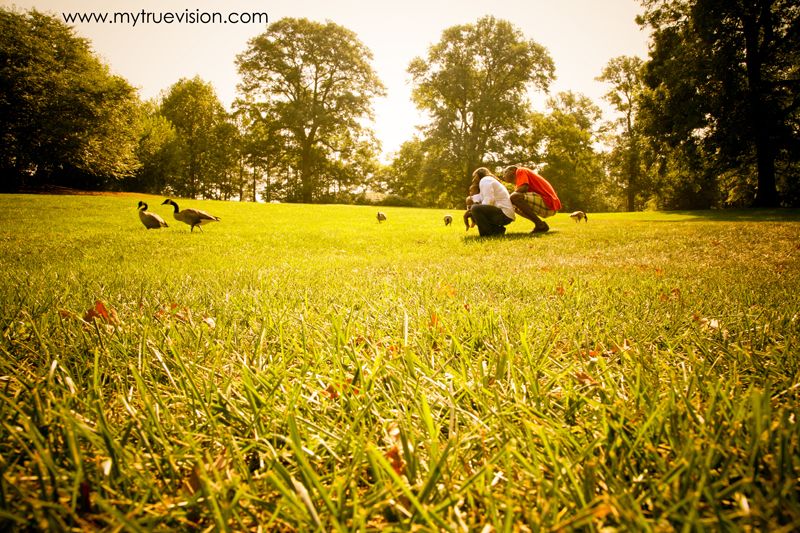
<point x="305" y="367"/>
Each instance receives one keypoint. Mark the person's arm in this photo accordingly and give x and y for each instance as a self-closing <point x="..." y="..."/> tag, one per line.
<point x="522" y="189"/>
<point x="480" y="197"/>
<point x="474" y="192"/>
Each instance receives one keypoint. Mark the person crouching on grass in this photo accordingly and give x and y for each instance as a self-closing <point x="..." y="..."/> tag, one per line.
<point x="534" y="198"/>
<point x="490" y="206"/>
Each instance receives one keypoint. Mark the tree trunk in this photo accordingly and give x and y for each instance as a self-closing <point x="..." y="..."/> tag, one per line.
<point x="307" y="188"/>
<point x="767" y="193"/>
<point x="255" y="182"/>
<point x="633" y="176"/>
<point x="754" y="22"/>
<point x="306" y="179"/>
<point x="241" y="182"/>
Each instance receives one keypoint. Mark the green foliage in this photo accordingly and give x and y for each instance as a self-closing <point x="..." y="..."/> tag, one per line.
<point x="207" y="142"/>
<point x="314" y="85"/>
<point x="158" y="153"/>
<point x="711" y="119"/>
<point x="569" y="133"/>
<point x="64" y="118"/>
<point x="224" y="159"/>
<point x="418" y="173"/>
<point x="305" y="367"/>
<point x="261" y="151"/>
<point x="628" y="158"/>
<point x="723" y="75"/>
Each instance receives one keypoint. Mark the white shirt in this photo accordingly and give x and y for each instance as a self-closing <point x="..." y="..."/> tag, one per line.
<point x="492" y="192"/>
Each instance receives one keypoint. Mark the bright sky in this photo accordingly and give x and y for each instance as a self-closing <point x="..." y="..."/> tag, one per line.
<point x="581" y="36"/>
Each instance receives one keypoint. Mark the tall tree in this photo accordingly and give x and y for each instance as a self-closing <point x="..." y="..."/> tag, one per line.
<point x="569" y="132"/>
<point x="64" y="117"/>
<point x="262" y="151"/>
<point x="316" y="81"/>
<point x="158" y="152"/>
<point x="624" y="75"/>
<point x="724" y="74"/>
<point x="224" y="156"/>
<point x="474" y="85"/>
<point x="196" y="113"/>
<point x="402" y="176"/>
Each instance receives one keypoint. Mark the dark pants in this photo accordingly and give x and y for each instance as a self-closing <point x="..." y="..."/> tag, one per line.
<point x="490" y="219"/>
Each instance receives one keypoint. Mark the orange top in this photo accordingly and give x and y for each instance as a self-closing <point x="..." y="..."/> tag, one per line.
<point x="539" y="185"/>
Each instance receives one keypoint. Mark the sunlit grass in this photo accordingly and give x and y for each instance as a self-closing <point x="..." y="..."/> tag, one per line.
<point x="306" y="366"/>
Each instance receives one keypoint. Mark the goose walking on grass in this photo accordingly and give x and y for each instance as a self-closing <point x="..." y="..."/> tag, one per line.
<point x="193" y="217"/>
<point x="577" y="216"/>
<point x="150" y="220"/>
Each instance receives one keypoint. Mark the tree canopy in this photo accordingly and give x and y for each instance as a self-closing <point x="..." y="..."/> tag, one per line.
<point x="314" y="80"/>
<point x="710" y="118"/>
<point x="567" y="135"/>
<point x="723" y="79"/>
<point x="624" y="75"/>
<point x="64" y="118"/>
<point x="206" y="139"/>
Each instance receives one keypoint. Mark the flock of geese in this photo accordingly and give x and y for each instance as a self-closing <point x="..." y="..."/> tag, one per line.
<point x="192" y="217"/>
<point x="196" y="217"/>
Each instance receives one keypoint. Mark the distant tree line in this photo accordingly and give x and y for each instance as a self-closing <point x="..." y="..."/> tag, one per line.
<point x="711" y="118"/>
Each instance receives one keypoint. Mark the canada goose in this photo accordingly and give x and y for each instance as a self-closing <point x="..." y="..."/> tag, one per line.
<point x="193" y="217"/>
<point x="578" y="215"/>
<point x="381" y="216"/>
<point x="448" y="220"/>
<point x="150" y="220"/>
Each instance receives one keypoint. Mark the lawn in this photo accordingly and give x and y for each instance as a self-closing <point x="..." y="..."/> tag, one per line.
<point x="303" y="367"/>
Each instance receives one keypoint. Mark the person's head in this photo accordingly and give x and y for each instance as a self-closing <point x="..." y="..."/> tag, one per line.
<point x="477" y="175"/>
<point x="480" y="173"/>
<point x="509" y="173"/>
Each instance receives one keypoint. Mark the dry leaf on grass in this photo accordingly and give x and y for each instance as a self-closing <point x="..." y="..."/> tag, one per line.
<point x="395" y="458"/>
<point x="101" y="312"/>
<point x="584" y="379"/>
<point x="394" y="454"/>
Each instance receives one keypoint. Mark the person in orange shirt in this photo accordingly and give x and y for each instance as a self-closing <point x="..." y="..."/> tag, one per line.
<point x="534" y="198"/>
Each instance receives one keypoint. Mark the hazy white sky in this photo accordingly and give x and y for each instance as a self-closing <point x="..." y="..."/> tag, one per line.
<point x="581" y="36"/>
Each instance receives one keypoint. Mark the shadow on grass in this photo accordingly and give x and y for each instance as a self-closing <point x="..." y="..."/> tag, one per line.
<point x="737" y="215"/>
<point x="511" y="236"/>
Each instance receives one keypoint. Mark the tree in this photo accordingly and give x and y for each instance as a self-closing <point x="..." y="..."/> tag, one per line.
<point x="194" y="110"/>
<point x="474" y="85"/>
<point x="624" y="75"/>
<point x="64" y="118"/>
<point x="419" y="174"/>
<point x="724" y="75"/>
<point x="568" y="135"/>
<point x="262" y="151"/>
<point x="402" y="177"/>
<point x="353" y="169"/>
<point x="316" y="82"/>
<point x="157" y="152"/>
<point x="224" y="156"/>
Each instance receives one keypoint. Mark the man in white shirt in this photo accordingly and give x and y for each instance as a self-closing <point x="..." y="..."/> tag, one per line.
<point x="491" y="206"/>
